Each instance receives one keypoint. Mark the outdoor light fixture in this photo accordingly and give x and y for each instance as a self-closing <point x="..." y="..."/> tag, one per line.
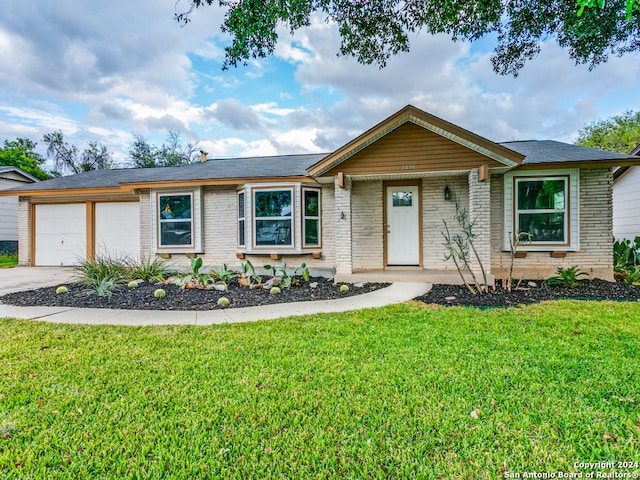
<point x="447" y="193"/>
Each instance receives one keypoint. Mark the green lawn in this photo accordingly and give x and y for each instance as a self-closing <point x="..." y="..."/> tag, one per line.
<point x="397" y="392"/>
<point x="8" y="260"/>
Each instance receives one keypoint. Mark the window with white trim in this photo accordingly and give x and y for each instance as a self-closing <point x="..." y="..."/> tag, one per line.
<point x="310" y="217"/>
<point x="542" y="206"/>
<point x="273" y="217"/>
<point x="541" y="210"/>
<point x="241" y="217"/>
<point x="175" y="220"/>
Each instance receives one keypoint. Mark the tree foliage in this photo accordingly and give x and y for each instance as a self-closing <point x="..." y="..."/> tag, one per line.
<point x="21" y="153"/>
<point x="68" y="159"/>
<point x="620" y="133"/>
<point x="374" y="30"/>
<point x="173" y="153"/>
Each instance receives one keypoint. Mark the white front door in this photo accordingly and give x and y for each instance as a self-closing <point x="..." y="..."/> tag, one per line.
<point x="403" y="236"/>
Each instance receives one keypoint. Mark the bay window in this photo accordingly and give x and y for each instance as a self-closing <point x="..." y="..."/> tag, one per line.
<point x="279" y="218"/>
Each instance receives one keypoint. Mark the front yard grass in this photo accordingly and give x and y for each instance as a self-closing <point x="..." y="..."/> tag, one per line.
<point x="399" y="392"/>
<point x="8" y="260"/>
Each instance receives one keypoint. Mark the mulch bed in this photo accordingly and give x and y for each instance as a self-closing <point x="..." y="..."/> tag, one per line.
<point x="142" y="298"/>
<point x="531" y="292"/>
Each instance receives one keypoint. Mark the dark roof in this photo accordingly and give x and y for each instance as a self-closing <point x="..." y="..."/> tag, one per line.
<point x="550" y="151"/>
<point x="282" y="166"/>
<point x="253" y="167"/>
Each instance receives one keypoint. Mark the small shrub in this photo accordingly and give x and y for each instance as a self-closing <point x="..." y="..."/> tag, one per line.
<point x="132" y="284"/>
<point x="344" y="288"/>
<point x="275" y="291"/>
<point x="223" y="302"/>
<point x="225" y="274"/>
<point x="567" y="277"/>
<point x="159" y="293"/>
<point x="61" y="289"/>
<point x="104" y="288"/>
<point x="155" y="270"/>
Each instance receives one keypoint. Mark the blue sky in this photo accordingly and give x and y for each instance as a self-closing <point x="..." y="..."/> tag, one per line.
<point x="105" y="72"/>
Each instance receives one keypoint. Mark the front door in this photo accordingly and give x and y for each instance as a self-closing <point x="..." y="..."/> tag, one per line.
<point x="403" y="235"/>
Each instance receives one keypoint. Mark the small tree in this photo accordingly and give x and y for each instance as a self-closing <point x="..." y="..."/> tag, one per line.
<point x="459" y="248"/>
<point x="21" y="153"/>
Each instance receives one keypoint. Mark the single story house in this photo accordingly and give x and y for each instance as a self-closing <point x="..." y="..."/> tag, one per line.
<point x="626" y="200"/>
<point x="375" y="205"/>
<point x="11" y="177"/>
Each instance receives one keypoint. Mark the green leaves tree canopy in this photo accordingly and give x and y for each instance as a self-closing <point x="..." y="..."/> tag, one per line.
<point x="21" y="153"/>
<point x="620" y="133"/>
<point x="374" y="30"/>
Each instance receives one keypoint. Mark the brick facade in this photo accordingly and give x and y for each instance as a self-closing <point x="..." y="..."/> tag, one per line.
<point x="595" y="255"/>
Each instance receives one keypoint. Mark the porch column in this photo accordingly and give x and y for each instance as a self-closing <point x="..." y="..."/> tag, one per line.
<point x="480" y="213"/>
<point x="344" y="265"/>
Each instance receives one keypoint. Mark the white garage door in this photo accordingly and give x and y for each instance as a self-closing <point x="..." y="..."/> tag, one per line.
<point x="61" y="234"/>
<point x="117" y="229"/>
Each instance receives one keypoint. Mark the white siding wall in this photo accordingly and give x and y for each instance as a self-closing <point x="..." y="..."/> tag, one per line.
<point x="626" y="205"/>
<point x="8" y="212"/>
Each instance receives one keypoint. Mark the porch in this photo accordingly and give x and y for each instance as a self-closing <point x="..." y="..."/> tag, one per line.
<point x="418" y="275"/>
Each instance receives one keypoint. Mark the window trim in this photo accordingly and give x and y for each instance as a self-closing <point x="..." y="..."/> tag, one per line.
<point x="292" y="218"/>
<point x="196" y="221"/>
<point x="161" y="220"/>
<point x="304" y="217"/>
<point x="566" y="211"/>
<point x="572" y="207"/>
<point x="242" y="217"/>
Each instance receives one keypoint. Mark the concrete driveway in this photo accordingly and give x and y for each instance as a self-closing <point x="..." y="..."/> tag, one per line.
<point x="29" y="278"/>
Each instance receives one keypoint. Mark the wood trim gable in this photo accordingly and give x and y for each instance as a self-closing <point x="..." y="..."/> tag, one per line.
<point x="427" y="121"/>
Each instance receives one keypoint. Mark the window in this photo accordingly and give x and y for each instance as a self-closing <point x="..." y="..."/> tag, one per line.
<point x="545" y="205"/>
<point x="541" y="209"/>
<point x="273" y="218"/>
<point x="241" y="215"/>
<point x="311" y="217"/>
<point x="175" y="220"/>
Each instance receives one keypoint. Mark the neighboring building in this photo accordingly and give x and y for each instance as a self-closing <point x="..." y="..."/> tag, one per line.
<point x="375" y="204"/>
<point x="11" y="177"/>
<point x="626" y="201"/>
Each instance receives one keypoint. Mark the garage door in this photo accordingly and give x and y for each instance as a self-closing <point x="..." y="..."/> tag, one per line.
<point x="61" y="234"/>
<point x="117" y="229"/>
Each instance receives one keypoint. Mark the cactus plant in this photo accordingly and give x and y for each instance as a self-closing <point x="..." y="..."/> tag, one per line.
<point x="132" y="284"/>
<point x="61" y="289"/>
<point x="344" y="288"/>
<point x="275" y="290"/>
<point x="223" y="302"/>
<point x="159" y="293"/>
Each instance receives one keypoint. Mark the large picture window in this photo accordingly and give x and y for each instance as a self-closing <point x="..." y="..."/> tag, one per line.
<point x="175" y="220"/>
<point x="541" y="209"/>
<point x="273" y="218"/>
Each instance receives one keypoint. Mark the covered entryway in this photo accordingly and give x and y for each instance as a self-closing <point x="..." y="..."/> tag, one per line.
<point x="60" y="234"/>
<point x="403" y="225"/>
<point x="117" y="229"/>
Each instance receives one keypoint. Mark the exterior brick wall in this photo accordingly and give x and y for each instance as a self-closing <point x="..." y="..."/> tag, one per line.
<point x="145" y="225"/>
<point x="367" y="225"/>
<point x="480" y="215"/>
<point x="434" y="210"/>
<point x="219" y="230"/>
<point x="342" y="217"/>
<point x="24" y="231"/>
<point x="595" y="255"/>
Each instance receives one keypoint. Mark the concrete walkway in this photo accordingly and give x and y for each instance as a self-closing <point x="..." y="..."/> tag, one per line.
<point x="396" y="293"/>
